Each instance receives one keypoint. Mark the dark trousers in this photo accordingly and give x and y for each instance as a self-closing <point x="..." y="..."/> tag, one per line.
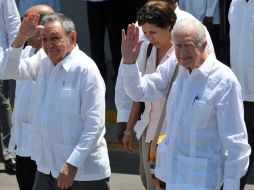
<point x="224" y="51"/>
<point x="25" y="172"/>
<point x="47" y="182"/>
<point x="140" y="4"/>
<point x="249" y="121"/>
<point x="214" y="32"/>
<point x="12" y="88"/>
<point x="5" y="119"/>
<point x="111" y="15"/>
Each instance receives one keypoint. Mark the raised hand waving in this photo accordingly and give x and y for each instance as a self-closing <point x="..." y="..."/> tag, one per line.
<point x="130" y="46"/>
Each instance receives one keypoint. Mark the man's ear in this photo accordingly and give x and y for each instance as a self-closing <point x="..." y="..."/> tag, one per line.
<point x="204" y="45"/>
<point x="73" y="36"/>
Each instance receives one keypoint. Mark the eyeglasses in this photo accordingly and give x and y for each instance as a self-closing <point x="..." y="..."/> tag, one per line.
<point x="148" y="17"/>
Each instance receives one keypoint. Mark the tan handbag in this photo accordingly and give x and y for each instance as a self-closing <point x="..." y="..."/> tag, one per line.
<point x="159" y="137"/>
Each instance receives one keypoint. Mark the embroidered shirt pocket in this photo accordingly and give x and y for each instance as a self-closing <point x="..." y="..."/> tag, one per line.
<point x="68" y="101"/>
<point x="191" y="171"/>
<point x="199" y="114"/>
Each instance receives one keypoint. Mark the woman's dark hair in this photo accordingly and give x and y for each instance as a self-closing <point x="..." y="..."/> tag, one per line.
<point x="158" y="13"/>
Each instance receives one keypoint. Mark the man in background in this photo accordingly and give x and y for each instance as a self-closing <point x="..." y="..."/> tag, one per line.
<point x="111" y="16"/>
<point x="9" y="25"/>
<point x="241" y="20"/>
<point x="23" y="136"/>
<point x="207" y="12"/>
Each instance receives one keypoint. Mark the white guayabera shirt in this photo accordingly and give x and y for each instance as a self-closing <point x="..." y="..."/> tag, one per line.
<point x="70" y="112"/>
<point x="206" y="134"/>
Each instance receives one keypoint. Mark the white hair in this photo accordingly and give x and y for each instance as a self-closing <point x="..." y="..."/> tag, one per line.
<point x="187" y="24"/>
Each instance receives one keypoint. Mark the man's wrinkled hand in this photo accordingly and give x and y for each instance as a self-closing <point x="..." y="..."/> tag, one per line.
<point x="66" y="176"/>
<point x="121" y="127"/>
<point x="28" y="29"/>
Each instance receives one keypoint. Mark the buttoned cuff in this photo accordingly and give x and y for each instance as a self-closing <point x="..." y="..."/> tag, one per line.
<point x="209" y="13"/>
<point x="122" y="116"/>
<point x="10" y="62"/>
<point x="130" y="72"/>
<point x="15" y="53"/>
<point x="75" y="158"/>
<point x="130" y="69"/>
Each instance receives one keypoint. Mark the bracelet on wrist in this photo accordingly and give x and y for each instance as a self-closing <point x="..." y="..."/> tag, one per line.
<point x="128" y="133"/>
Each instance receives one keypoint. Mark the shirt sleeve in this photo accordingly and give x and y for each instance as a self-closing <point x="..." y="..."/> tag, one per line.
<point x="93" y="116"/>
<point x="122" y="100"/>
<point x="211" y="7"/>
<point x="11" y="19"/>
<point x="233" y="135"/>
<point x="151" y="87"/>
<point x="14" y="67"/>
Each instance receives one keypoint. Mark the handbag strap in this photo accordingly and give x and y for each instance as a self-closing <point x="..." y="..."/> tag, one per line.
<point x="163" y="113"/>
<point x="148" y="53"/>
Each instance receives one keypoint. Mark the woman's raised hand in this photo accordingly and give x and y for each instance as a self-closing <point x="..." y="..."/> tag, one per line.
<point x="130" y="44"/>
